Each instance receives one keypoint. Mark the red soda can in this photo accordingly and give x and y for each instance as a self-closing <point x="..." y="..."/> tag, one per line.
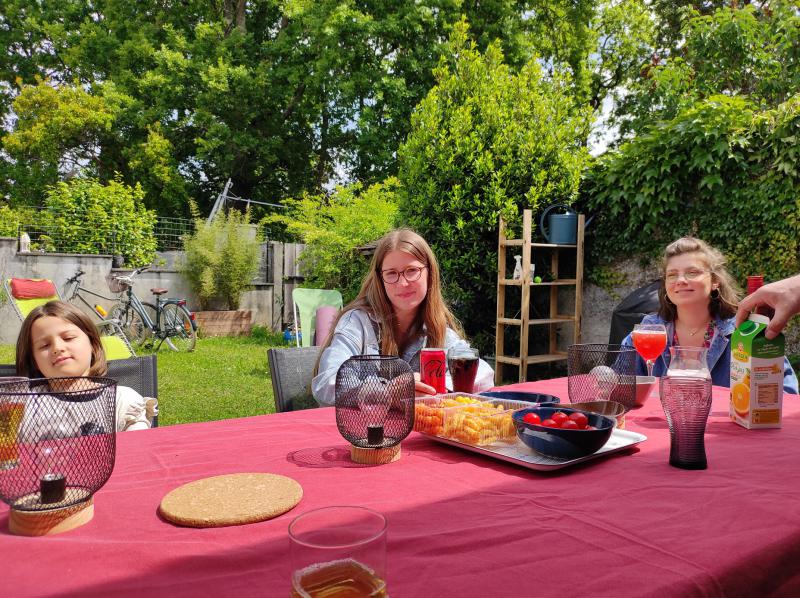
<point x="432" y="365"/>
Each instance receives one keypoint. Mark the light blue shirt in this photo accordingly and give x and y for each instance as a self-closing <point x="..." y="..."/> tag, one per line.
<point x="358" y="333"/>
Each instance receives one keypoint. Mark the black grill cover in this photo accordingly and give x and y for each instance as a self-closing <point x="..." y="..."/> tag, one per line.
<point x="631" y="310"/>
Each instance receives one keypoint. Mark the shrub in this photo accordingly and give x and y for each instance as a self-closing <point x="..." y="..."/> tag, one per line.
<point x="84" y="216"/>
<point x="720" y="170"/>
<point x="222" y="257"/>
<point x="9" y="221"/>
<point x="333" y="227"/>
<point x="486" y="142"/>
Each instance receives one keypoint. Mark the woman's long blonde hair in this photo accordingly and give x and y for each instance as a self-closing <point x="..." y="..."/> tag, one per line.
<point x="724" y="300"/>
<point x="372" y="298"/>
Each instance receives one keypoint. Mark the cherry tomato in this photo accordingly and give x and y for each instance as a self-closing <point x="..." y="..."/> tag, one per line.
<point x="559" y="417"/>
<point x="590" y="428"/>
<point x="532" y="418"/>
<point x="580" y="419"/>
<point x="570" y="425"/>
<point x="549" y="423"/>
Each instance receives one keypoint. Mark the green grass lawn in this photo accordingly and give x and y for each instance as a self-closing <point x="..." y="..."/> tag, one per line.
<point x="223" y="378"/>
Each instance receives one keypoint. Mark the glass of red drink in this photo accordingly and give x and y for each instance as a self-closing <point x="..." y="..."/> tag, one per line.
<point x="650" y="340"/>
<point x="463" y="365"/>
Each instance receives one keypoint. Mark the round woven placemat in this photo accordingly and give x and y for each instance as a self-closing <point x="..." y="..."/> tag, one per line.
<point x="232" y="499"/>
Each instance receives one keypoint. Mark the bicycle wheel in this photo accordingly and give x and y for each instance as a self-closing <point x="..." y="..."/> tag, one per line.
<point x="177" y="327"/>
<point x="133" y="325"/>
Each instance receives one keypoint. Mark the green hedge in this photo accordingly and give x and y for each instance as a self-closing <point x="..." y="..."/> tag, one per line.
<point x="720" y="170"/>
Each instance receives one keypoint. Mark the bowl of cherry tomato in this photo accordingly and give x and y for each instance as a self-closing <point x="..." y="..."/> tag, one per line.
<point x="562" y="432"/>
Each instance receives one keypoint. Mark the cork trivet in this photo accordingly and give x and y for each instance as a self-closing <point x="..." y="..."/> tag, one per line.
<point x="232" y="499"/>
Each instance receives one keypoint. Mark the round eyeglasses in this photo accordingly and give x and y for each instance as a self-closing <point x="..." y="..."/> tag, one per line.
<point x="411" y="274"/>
<point x="672" y="277"/>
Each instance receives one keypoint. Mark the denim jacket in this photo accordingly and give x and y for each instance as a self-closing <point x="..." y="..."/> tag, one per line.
<point x="358" y="333"/>
<point x="718" y="357"/>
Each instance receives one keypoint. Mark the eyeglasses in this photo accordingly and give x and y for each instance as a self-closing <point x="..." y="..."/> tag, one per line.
<point x="694" y="274"/>
<point x="410" y="274"/>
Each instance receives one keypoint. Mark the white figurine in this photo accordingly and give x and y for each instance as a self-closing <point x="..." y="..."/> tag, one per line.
<point x="518" y="267"/>
<point x="24" y="243"/>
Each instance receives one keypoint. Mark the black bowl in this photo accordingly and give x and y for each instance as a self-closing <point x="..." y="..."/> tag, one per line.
<point x="517" y="395"/>
<point x="560" y="443"/>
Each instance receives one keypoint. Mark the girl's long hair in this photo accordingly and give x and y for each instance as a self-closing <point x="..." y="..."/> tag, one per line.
<point x="724" y="300"/>
<point x="26" y="362"/>
<point x="434" y="313"/>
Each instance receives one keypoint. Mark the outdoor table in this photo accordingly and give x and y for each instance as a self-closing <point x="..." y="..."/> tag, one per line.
<point x="460" y="524"/>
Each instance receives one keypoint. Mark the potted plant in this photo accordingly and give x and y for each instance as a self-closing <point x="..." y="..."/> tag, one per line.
<point x="222" y="257"/>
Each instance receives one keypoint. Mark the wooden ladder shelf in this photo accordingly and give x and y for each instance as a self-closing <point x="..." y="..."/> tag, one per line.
<point x="524" y="321"/>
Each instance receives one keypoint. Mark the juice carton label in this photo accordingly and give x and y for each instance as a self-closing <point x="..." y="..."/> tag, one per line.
<point x="756" y="375"/>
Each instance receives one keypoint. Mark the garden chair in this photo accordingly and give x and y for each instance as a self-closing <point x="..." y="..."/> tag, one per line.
<point x="291" y="371"/>
<point x="307" y="302"/>
<point x="26" y="294"/>
<point x="138" y="373"/>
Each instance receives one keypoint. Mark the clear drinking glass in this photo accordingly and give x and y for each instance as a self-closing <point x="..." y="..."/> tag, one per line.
<point x="12" y="407"/>
<point x="338" y="551"/>
<point x="686" y="398"/>
<point x="650" y="340"/>
<point x="463" y="365"/>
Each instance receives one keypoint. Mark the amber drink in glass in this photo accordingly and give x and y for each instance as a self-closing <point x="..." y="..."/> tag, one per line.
<point x="338" y="552"/>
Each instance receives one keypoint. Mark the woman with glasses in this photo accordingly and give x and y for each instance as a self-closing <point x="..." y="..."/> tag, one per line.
<point x="697" y="305"/>
<point x="399" y="310"/>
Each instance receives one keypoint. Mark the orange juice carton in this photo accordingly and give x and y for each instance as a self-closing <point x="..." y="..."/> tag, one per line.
<point x="756" y="375"/>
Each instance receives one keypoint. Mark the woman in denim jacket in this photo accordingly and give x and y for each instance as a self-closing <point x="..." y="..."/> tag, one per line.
<point x="399" y="310"/>
<point x="697" y="304"/>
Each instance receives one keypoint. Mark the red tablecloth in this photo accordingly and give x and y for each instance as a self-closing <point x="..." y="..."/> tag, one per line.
<point x="459" y="524"/>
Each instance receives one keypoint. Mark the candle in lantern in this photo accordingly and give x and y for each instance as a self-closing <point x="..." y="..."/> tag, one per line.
<point x="53" y="488"/>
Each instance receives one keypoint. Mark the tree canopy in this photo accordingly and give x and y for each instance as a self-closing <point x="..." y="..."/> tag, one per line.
<point x="281" y="96"/>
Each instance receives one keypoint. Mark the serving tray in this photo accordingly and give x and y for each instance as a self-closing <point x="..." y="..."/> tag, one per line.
<point x="521" y="455"/>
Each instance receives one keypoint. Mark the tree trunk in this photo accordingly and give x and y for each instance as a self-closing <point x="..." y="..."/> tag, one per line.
<point x="234" y="14"/>
<point x="323" y="149"/>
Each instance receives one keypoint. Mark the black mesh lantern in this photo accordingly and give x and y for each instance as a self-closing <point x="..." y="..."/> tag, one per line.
<point x="375" y="406"/>
<point x="602" y="372"/>
<point x="57" y="448"/>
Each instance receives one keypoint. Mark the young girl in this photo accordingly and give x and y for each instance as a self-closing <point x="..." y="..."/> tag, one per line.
<point x="59" y="340"/>
<point x="697" y="305"/>
<point x="398" y="311"/>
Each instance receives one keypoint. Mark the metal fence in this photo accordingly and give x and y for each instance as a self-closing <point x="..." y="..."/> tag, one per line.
<point x="169" y="234"/>
<point x="57" y="239"/>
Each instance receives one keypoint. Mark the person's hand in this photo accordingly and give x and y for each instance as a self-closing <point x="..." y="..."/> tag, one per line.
<point x="783" y="296"/>
<point x="420" y="388"/>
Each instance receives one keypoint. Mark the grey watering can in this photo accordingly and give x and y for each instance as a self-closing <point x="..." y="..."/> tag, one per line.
<point x="560" y="229"/>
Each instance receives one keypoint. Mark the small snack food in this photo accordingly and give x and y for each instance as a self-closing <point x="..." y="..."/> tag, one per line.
<point x="468" y="419"/>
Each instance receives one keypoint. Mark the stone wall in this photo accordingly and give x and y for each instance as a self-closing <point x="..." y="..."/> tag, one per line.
<point x="264" y="300"/>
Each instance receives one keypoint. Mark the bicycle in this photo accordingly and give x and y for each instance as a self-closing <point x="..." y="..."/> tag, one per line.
<point x="167" y="321"/>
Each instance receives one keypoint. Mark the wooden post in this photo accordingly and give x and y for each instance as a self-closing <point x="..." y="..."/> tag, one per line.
<point x="500" y="329"/>
<point x="579" y="280"/>
<point x="526" y="295"/>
